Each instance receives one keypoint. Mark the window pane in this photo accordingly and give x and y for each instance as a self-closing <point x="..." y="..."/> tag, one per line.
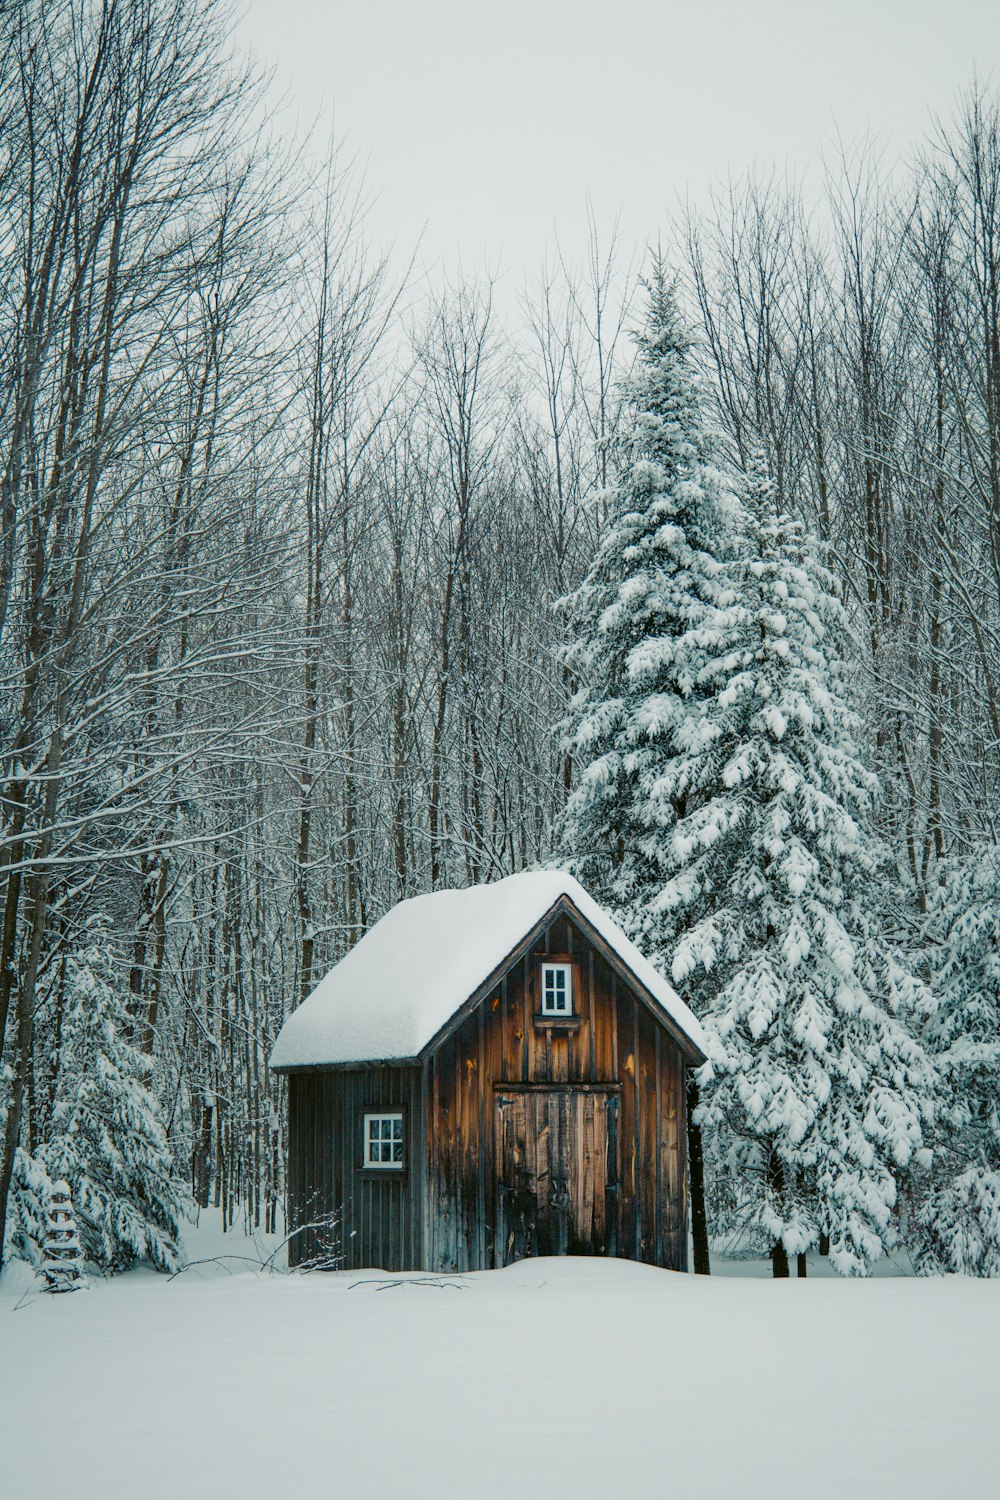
<point x="383" y="1140"/>
<point x="557" y="985"/>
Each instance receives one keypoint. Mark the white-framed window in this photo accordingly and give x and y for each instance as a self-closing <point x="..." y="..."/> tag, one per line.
<point x="384" y="1141"/>
<point x="557" y="989"/>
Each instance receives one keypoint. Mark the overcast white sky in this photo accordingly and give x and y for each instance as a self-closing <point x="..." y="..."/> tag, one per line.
<point x="485" y="126"/>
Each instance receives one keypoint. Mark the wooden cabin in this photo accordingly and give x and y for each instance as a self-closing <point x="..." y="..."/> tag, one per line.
<point x="491" y="1073"/>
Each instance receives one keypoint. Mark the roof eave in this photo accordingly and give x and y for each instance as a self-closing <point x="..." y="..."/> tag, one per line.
<point x="358" y="1062"/>
<point x="688" y="1046"/>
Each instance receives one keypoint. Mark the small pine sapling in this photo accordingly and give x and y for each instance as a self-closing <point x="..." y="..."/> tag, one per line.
<point x="62" y="1257"/>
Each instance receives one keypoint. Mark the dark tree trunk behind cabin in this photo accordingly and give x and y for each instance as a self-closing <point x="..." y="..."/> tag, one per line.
<point x="801" y="1264"/>
<point x="776" y="1184"/>
<point x="202" y="1157"/>
<point x="696" y="1172"/>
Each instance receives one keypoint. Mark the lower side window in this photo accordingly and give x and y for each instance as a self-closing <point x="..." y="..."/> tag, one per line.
<point x="384" y="1140"/>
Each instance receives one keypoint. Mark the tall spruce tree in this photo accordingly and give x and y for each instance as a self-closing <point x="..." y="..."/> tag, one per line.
<point x="638" y="624"/>
<point x="817" y="1088"/>
<point x="110" y="1145"/>
<point x="961" y="1214"/>
<point x="724" y="810"/>
<point x="634" y="625"/>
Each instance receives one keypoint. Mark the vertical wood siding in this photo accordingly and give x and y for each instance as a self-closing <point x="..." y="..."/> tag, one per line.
<point x="379" y="1219"/>
<point x="618" y="1043"/>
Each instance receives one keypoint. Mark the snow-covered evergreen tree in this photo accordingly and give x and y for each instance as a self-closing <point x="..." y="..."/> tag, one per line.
<point x="722" y="809"/>
<point x="816" y="1087"/>
<point x="110" y="1146"/>
<point x="634" y="727"/>
<point x="31" y="1188"/>
<point x="961" y="1215"/>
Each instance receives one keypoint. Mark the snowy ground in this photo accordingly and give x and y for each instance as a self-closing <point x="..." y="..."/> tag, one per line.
<point x="579" y="1378"/>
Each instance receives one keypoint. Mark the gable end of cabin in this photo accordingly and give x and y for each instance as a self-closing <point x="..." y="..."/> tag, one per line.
<point x="590" y="1098"/>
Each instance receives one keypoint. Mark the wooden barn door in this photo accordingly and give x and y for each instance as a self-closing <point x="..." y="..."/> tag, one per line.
<point x="557" y="1167"/>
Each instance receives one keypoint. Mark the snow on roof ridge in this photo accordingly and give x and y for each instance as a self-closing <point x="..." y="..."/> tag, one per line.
<point x="410" y="973"/>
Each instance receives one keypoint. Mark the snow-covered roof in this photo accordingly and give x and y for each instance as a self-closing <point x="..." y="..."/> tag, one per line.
<point x="414" y="969"/>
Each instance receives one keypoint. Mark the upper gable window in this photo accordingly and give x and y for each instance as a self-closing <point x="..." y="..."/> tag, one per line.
<point x="557" y="989"/>
<point x="384" y="1141"/>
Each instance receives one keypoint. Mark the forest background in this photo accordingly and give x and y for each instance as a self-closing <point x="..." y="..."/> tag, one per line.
<point x="282" y="523"/>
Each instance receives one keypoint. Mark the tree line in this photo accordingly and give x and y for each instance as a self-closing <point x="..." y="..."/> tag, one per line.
<point x="282" y="525"/>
